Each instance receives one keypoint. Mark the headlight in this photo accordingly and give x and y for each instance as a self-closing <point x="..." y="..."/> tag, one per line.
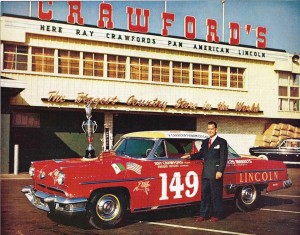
<point x="60" y="178"/>
<point x="31" y="171"/>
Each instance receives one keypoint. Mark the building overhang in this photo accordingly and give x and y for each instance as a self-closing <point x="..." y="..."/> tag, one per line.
<point x="11" y="87"/>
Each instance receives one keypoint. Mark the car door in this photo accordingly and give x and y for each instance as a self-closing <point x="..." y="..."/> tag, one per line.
<point x="290" y="151"/>
<point x="177" y="180"/>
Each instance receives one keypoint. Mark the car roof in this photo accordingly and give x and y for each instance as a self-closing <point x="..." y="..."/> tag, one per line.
<point x="171" y="134"/>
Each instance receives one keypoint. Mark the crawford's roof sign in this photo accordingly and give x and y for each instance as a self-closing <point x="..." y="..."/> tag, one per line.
<point x="138" y="20"/>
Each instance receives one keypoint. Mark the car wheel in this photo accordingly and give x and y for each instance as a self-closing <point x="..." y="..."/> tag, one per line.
<point x="106" y="210"/>
<point x="263" y="157"/>
<point x="247" y="198"/>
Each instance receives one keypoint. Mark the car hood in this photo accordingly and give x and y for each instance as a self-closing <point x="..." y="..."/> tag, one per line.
<point x="75" y="169"/>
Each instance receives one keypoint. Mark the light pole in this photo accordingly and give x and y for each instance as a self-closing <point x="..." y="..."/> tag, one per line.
<point x="223" y="31"/>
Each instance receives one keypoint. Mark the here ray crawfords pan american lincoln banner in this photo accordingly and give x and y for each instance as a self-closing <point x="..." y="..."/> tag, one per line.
<point x="135" y="17"/>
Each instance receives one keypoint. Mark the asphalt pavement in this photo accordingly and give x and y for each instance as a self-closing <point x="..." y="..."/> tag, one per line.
<point x="279" y="213"/>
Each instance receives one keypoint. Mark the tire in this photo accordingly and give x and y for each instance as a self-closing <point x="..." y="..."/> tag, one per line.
<point x="107" y="210"/>
<point x="264" y="157"/>
<point x="247" y="198"/>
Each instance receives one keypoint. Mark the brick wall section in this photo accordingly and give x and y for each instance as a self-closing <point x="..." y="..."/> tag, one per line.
<point x="233" y="125"/>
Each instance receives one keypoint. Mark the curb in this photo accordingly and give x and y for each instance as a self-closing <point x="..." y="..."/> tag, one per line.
<point x="13" y="176"/>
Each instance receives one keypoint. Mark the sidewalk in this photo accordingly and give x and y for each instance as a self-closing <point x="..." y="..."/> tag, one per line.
<point x="23" y="175"/>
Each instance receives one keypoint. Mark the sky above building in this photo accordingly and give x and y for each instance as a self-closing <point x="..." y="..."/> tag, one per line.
<point x="280" y="17"/>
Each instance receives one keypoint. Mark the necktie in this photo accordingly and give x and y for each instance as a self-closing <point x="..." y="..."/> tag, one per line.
<point x="209" y="143"/>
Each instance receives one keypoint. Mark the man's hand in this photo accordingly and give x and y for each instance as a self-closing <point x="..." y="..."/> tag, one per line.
<point x="218" y="175"/>
<point x="187" y="156"/>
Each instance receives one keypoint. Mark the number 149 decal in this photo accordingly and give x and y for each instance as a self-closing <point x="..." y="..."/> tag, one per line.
<point x="191" y="182"/>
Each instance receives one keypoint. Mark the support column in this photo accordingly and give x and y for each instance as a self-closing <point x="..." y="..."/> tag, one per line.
<point x="108" y="131"/>
<point x="5" y="132"/>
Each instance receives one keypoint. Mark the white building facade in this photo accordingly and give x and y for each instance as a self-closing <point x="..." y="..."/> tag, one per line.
<point x="134" y="82"/>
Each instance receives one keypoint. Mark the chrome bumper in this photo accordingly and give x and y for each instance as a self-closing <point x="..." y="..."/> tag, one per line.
<point x="53" y="203"/>
<point x="287" y="183"/>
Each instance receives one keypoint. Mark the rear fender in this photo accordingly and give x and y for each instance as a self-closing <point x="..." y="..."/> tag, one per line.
<point x="232" y="188"/>
<point x="273" y="186"/>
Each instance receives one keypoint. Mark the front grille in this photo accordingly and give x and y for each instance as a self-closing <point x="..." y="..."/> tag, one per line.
<point x="56" y="190"/>
<point x="42" y="185"/>
<point x="49" y="189"/>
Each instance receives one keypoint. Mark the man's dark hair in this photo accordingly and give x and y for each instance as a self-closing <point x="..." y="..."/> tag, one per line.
<point x="213" y="123"/>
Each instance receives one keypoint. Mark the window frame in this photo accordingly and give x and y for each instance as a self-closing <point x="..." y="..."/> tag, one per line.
<point x="116" y="67"/>
<point x="16" y="53"/>
<point x="96" y="65"/>
<point x="44" y="58"/>
<point x="159" y="69"/>
<point x="181" y="72"/>
<point x="139" y="70"/>
<point x="287" y="101"/>
<point x="70" y="61"/>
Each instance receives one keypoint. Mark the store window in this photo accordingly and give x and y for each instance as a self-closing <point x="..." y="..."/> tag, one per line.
<point x="68" y="62"/>
<point x="288" y="92"/>
<point x="181" y="72"/>
<point x="139" y="68"/>
<point x="219" y="76"/>
<point x="15" y="57"/>
<point x="42" y="60"/>
<point x="200" y="74"/>
<point x="93" y="64"/>
<point x="116" y="66"/>
<point x="237" y="78"/>
<point x="160" y="71"/>
<point x="45" y="60"/>
<point x="26" y="120"/>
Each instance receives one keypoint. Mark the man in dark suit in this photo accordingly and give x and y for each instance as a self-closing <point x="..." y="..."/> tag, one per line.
<point x="214" y="150"/>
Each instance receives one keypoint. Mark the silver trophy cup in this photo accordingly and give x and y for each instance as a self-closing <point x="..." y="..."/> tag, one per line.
<point x="89" y="127"/>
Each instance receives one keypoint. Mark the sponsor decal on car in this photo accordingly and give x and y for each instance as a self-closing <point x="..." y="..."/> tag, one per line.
<point x="240" y="162"/>
<point x="186" y="135"/>
<point x="249" y="177"/>
<point x="134" y="167"/>
<point x="118" y="167"/>
<point x="143" y="185"/>
<point x="179" y="186"/>
<point x="169" y="164"/>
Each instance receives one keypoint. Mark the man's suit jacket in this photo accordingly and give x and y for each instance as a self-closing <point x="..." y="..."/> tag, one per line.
<point x="215" y="157"/>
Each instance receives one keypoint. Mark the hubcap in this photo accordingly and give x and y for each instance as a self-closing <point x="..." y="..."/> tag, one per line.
<point x="108" y="207"/>
<point x="248" y="194"/>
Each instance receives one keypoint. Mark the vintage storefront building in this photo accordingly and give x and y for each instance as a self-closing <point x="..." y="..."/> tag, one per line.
<point x="51" y="70"/>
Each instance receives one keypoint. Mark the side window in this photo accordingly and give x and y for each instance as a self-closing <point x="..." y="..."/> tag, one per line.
<point x="171" y="149"/>
<point x="178" y="147"/>
<point x="294" y="144"/>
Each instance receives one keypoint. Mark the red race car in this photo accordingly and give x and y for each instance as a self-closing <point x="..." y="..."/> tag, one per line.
<point x="144" y="172"/>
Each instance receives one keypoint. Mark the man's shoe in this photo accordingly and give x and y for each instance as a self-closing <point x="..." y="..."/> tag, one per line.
<point x="214" y="219"/>
<point x="200" y="219"/>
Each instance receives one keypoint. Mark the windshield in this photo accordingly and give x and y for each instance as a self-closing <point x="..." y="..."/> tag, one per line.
<point x="165" y="148"/>
<point x="232" y="153"/>
<point x="134" y="147"/>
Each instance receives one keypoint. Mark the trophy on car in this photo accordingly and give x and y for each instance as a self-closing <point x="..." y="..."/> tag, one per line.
<point x="89" y="127"/>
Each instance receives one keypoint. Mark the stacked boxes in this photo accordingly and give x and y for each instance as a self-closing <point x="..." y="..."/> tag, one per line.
<point x="275" y="133"/>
